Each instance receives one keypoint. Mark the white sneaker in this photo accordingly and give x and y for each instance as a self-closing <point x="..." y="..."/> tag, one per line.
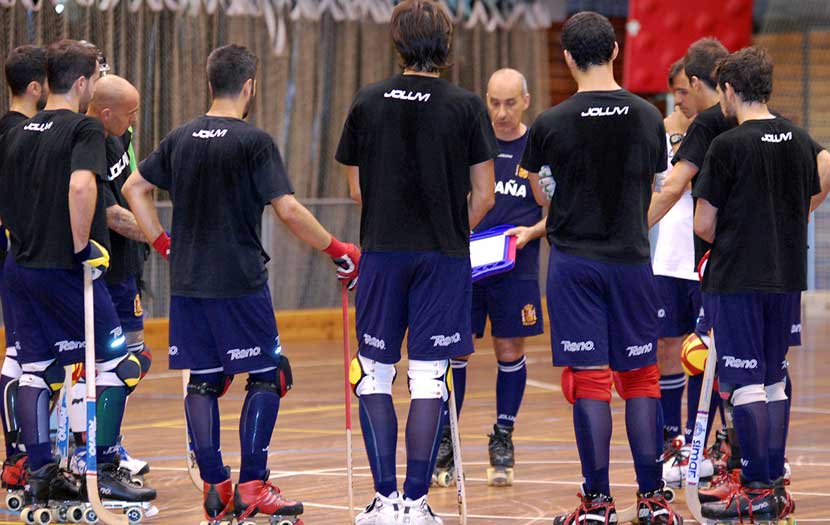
<point x="381" y="511"/>
<point x="676" y="467"/>
<point x="137" y="467"/>
<point x="418" y="513"/>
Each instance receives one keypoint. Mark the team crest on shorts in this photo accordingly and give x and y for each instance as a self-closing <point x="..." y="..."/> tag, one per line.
<point x="529" y="315"/>
<point x="137" y="311"/>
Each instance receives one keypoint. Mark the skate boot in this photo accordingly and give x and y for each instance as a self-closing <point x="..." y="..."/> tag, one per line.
<point x="593" y="509"/>
<point x="418" y="512"/>
<point x="41" y="485"/>
<point x="720" y="450"/>
<point x="786" y="503"/>
<point x="13" y="478"/>
<point x="381" y="510"/>
<point x="118" y="494"/>
<point x="136" y="466"/>
<point x="721" y="487"/>
<point x="261" y="497"/>
<point x="500" y="473"/>
<point x="65" y="499"/>
<point x="654" y="508"/>
<point x="444" y="473"/>
<point x="752" y="502"/>
<point x="218" y="502"/>
<point x="676" y="466"/>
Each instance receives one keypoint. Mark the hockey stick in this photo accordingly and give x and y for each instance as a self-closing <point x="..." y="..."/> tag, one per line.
<point x="699" y="437"/>
<point x="347" y="356"/>
<point x="456" y="454"/>
<point x="192" y="466"/>
<point x="63" y="418"/>
<point x="91" y="406"/>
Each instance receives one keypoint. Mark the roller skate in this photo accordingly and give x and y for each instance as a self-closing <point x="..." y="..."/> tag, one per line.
<point x="752" y="502"/>
<point x="261" y="497"/>
<point x="418" y="512"/>
<point x="14" y="480"/>
<point x="676" y="464"/>
<point x="77" y="466"/>
<point x="653" y="508"/>
<point x="381" y="510"/>
<point x="51" y="495"/>
<point x="218" y="503"/>
<point x="118" y="494"/>
<point x="721" y="486"/>
<point x="444" y="473"/>
<point x="500" y="473"/>
<point x="593" y="509"/>
<point x="786" y="503"/>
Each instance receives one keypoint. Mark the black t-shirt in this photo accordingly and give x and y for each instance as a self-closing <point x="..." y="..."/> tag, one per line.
<point x="603" y="149"/>
<point x="7" y="122"/>
<point x="761" y="176"/>
<point x="414" y="139"/>
<point x="707" y="125"/>
<point x="126" y="255"/>
<point x="39" y="157"/>
<point x="221" y="173"/>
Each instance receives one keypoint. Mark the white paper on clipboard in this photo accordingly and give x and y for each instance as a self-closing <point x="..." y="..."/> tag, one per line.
<point x="487" y="251"/>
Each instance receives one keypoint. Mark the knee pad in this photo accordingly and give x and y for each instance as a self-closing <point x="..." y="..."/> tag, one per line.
<point x="586" y="384"/>
<point x="213" y="384"/>
<point x="114" y="349"/>
<point x="277" y="380"/>
<point x="135" y="344"/>
<point x="46" y="375"/>
<point x="642" y="382"/>
<point x="122" y="371"/>
<point x="430" y="379"/>
<point x="368" y="376"/>
<point x="10" y="404"/>
<point x="11" y="368"/>
<point x="745" y="395"/>
<point x="776" y="392"/>
<point x="145" y="359"/>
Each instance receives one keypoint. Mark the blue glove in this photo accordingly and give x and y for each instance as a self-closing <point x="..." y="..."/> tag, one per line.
<point x="96" y="257"/>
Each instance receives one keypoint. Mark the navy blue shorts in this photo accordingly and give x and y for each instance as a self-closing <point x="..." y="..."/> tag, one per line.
<point x="752" y="332"/>
<point x="706" y="314"/>
<point x="513" y="303"/>
<point x="8" y="307"/>
<point x="795" y="319"/>
<point x="49" y="315"/>
<point x="601" y="313"/>
<point x="232" y="334"/>
<point x="427" y="292"/>
<point x="680" y="305"/>
<point x="127" y="303"/>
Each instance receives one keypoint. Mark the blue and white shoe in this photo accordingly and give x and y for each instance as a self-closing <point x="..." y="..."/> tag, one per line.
<point x="135" y="466"/>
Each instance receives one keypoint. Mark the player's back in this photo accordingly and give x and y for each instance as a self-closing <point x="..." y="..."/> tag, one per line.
<point x="414" y="139"/>
<point x="603" y="149"/>
<point x="39" y="156"/>
<point x="220" y="173"/>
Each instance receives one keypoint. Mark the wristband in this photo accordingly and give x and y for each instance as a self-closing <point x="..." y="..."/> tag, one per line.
<point x="162" y="245"/>
<point x="336" y="248"/>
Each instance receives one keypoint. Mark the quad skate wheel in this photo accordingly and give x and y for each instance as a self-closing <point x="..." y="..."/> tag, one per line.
<point x="90" y="516"/>
<point x="43" y="516"/>
<point x="62" y="514"/>
<point x="135" y="515"/>
<point x="14" y="502"/>
<point x="499" y="477"/>
<point x="75" y="514"/>
<point x="669" y="494"/>
<point x="27" y="515"/>
<point x="444" y="478"/>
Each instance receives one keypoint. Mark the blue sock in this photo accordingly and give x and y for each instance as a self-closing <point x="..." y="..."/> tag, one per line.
<point x="202" y="413"/>
<point x="778" y="420"/>
<point x="379" y="424"/>
<point x="10" y="436"/>
<point x="510" y="388"/>
<point x="33" y="416"/>
<point x="256" y="426"/>
<point x="592" y="426"/>
<point x="641" y="414"/>
<point x="752" y="425"/>
<point x="459" y="382"/>
<point x="423" y="435"/>
<point x="671" y="398"/>
<point x="695" y="385"/>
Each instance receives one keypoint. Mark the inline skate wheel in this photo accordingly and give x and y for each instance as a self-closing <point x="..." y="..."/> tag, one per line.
<point x="135" y="515"/>
<point x="90" y="516"/>
<point x="14" y="502"/>
<point x="27" y="515"/>
<point x="43" y="516"/>
<point x="75" y="514"/>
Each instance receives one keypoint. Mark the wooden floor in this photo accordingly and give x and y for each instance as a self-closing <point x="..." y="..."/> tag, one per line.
<point x="307" y="451"/>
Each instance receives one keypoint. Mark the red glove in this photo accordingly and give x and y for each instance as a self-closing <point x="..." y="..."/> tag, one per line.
<point x="162" y="245"/>
<point x="346" y="257"/>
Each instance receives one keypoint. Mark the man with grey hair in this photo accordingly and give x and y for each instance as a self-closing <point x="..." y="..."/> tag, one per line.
<point x="510" y="300"/>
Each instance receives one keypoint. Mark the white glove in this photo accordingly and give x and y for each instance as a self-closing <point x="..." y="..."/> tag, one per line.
<point x="546" y="181"/>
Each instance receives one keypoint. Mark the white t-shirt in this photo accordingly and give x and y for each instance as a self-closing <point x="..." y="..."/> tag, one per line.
<point x="674" y="254"/>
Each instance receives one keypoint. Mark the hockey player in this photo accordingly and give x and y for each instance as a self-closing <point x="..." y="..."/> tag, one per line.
<point x="221" y="172"/>
<point x="511" y="301"/>
<point x="49" y="198"/>
<point x="604" y="146"/>
<point x="25" y="71"/>
<point x="758" y="181"/>
<point x="415" y="146"/>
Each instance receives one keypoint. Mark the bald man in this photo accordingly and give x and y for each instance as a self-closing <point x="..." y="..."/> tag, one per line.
<point x="511" y="300"/>
<point x="115" y="104"/>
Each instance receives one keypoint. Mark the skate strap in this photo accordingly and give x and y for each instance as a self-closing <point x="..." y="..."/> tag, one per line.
<point x="739" y="493"/>
<point x="590" y="510"/>
<point x="268" y="495"/>
<point x="658" y="506"/>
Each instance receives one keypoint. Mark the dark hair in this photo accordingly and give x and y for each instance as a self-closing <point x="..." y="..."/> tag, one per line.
<point x="24" y="65"/>
<point x="228" y="68"/>
<point x="422" y="33"/>
<point x="749" y="72"/>
<point x="66" y="61"/>
<point x="702" y="57"/>
<point x="589" y="37"/>
<point x="675" y="70"/>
